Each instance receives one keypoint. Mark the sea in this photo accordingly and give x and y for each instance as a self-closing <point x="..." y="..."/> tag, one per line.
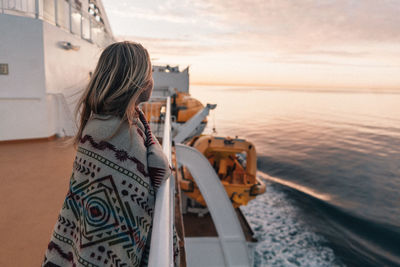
<point x="331" y="162"/>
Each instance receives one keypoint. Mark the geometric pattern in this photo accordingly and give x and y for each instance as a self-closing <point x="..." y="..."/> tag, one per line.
<point x="120" y="154"/>
<point x="106" y="217"/>
<point x="117" y="168"/>
<point x="107" y="214"/>
<point x="103" y="216"/>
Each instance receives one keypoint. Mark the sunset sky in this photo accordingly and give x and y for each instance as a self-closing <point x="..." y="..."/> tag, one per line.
<point x="308" y="43"/>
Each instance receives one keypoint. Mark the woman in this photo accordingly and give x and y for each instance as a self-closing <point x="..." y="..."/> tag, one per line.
<point x="106" y="218"/>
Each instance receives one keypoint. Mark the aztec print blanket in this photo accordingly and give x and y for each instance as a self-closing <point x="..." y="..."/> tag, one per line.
<point x="106" y="217"/>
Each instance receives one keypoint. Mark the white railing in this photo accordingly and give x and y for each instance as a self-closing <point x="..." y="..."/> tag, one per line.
<point x="230" y="246"/>
<point x="161" y="248"/>
<point x="62" y="13"/>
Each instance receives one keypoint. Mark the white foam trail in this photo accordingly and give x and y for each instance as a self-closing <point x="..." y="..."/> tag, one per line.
<point x="306" y="190"/>
<point x="284" y="239"/>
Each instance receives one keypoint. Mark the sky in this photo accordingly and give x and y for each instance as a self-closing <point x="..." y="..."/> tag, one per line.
<point x="288" y="43"/>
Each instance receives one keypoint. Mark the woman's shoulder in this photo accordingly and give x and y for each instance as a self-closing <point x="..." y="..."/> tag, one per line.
<point x="115" y="131"/>
<point x="102" y="126"/>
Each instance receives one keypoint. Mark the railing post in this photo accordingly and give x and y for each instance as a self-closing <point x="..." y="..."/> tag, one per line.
<point x="172" y="216"/>
<point x="81" y="24"/>
<point x="56" y="12"/>
<point x="37" y="9"/>
<point x="70" y="15"/>
<point x="2" y="6"/>
<point x="90" y="28"/>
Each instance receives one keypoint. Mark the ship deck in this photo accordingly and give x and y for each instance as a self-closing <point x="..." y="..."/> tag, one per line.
<point x="34" y="181"/>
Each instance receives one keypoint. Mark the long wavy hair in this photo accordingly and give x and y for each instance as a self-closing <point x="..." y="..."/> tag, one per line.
<point x="122" y="76"/>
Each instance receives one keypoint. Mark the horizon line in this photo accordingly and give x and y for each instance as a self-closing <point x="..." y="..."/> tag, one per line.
<point x="295" y="86"/>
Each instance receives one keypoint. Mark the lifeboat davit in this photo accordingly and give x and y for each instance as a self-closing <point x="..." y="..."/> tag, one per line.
<point x="234" y="161"/>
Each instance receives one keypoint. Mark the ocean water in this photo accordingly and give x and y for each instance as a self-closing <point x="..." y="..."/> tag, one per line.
<point x="331" y="160"/>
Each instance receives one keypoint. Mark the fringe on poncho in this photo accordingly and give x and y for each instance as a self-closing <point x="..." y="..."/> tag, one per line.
<point x="106" y="217"/>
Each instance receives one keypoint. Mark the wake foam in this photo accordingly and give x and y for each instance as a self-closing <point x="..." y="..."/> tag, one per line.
<point x="283" y="239"/>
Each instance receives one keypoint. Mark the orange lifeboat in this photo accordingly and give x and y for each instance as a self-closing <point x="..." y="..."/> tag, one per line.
<point x="183" y="108"/>
<point x="234" y="161"/>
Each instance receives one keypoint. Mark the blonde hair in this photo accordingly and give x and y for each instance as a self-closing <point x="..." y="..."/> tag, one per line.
<point x="122" y="74"/>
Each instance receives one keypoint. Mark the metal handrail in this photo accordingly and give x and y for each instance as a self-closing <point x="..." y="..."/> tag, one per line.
<point x="161" y="248"/>
<point x="230" y="234"/>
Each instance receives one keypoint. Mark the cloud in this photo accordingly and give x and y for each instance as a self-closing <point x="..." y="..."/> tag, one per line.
<point x="310" y="24"/>
<point x="171" y="46"/>
<point x="330" y="63"/>
<point x="278" y="37"/>
<point x="337" y="53"/>
<point x="281" y="25"/>
<point x="150" y="14"/>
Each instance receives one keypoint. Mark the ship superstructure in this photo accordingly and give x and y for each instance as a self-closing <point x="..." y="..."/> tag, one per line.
<point x="168" y="78"/>
<point x="48" y="49"/>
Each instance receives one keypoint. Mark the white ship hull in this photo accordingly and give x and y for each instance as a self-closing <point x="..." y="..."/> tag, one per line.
<point x="44" y="78"/>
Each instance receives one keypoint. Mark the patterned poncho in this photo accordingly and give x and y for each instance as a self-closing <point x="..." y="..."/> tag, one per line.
<point x="107" y="214"/>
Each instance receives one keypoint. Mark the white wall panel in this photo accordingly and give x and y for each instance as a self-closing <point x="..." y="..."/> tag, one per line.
<point x="21" y="47"/>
